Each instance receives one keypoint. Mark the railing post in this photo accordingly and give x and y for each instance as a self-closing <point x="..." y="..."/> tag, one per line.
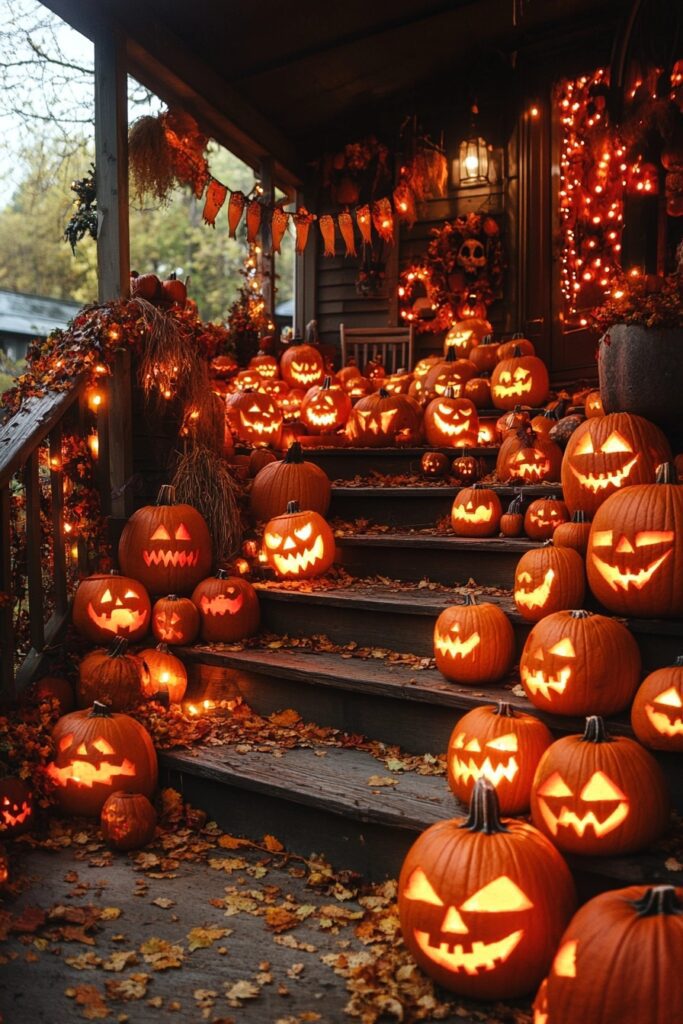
<point x="34" y="559"/>
<point x="7" y="692"/>
<point x="57" y="495"/>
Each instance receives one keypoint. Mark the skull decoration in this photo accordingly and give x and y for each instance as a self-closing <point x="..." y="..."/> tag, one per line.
<point x="476" y="512"/>
<point x="597" y="794"/>
<point x="228" y="608"/>
<point x="16" y="806"/>
<point x="657" y="711"/>
<point x="109" y="605"/>
<point x="298" y="544"/>
<point x="483" y="901"/>
<point x="473" y="643"/>
<point x="450" y="421"/>
<point x="471" y="256"/>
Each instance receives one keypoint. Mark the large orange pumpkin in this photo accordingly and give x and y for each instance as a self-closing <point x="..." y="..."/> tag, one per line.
<point x="548" y="579"/>
<point x="166" y="546"/>
<point x="451" y="422"/>
<point x="656" y="713"/>
<point x="265" y="365"/>
<point x="228" y="608"/>
<point x="476" y="512"/>
<point x="529" y="457"/>
<point x="499" y="744"/>
<point x="519" y="378"/>
<point x="302" y="365"/>
<point x="298" y="544"/>
<point x="96" y="753"/>
<point x="381" y="419"/>
<point x="114" y="676"/>
<point x="447" y="373"/>
<point x="483" y="901"/>
<point x="635" y="549"/>
<point x="473" y="643"/>
<point x="291" y="479"/>
<point x="325" y="408"/>
<point x="577" y="663"/>
<point x="607" y="453"/>
<point x="598" y="794"/>
<point x="107" y="605"/>
<point x="254" y="418"/>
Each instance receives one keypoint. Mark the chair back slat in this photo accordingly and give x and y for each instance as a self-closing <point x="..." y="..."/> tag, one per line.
<point x="392" y="345"/>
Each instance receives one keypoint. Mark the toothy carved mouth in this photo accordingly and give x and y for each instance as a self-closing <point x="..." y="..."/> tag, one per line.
<point x="531" y="470"/>
<point x="10" y="820"/>
<point x="120" y="620"/>
<point x="482" y="956"/>
<point x="507" y="390"/>
<point x="537" y="682"/>
<point x="175" y="558"/>
<point x="568" y="818"/>
<point x="466" y="770"/>
<point x="303" y="376"/>
<point x="82" y="773"/>
<point x="662" y="723"/>
<point x="449" y="428"/>
<point x="481" y="514"/>
<point x="537" y="597"/>
<point x="441" y="389"/>
<point x="323" y="419"/>
<point x="296" y="563"/>
<point x="221" y="605"/>
<point x="598" y="483"/>
<point x="625" y="579"/>
<point x="455" y="647"/>
<point x="258" y="426"/>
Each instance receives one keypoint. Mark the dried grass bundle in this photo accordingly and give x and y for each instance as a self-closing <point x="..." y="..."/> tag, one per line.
<point x="170" y="366"/>
<point x="202" y="479"/>
<point x="204" y="420"/>
<point x="150" y="160"/>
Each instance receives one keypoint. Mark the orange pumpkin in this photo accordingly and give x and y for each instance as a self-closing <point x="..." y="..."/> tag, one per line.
<point x="175" y="620"/>
<point x="548" y="579"/>
<point x="434" y="464"/>
<point x="656" y="714"/>
<point x="107" y="605"/>
<point x="325" y="408"/>
<point x="381" y="419"/>
<point x="265" y="365"/>
<point x="476" y="512"/>
<point x="298" y="545"/>
<point x="593" y="405"/>
<point x="478" y="390"/>
<point x="449" y="372"/>
<point x="512" y="422"/>
<point x="302" y="365"/>
<point x="502" y="745"/>
<point x="517" y="344"/>
<point x="451" y="422"/>
<point x="98" y="752"/>
<point x="543" y="516"/>
<point x="485" y="355"/>
<point x="16" y="807"/>
<point x="291" y="479"/>
<point x="573" y="534"/>
<point x="529" y="457"/>
<point x="473" y="643"/>
<point x="512" y="521"/>
<point x="128" y="821"/>
<point x="228" y="608"/>
<point x="114" y="676"/>
<point x="254" y="418"/>
<point x="519" y="378"/>
<point x="258" y="458"/>
<point x="166" y="676"/>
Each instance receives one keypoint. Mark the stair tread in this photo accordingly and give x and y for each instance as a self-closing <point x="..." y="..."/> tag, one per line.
<point x="416" y="539"/>
<point x="341" y="488"/>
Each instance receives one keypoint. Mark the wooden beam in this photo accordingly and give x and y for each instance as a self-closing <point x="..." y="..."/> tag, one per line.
<point x="267" y="256"/>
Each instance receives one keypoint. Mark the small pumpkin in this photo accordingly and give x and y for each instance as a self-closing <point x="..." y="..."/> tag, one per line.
<point x="482" y="901"/>
<point x="265" y="365"/>
<point x="548" y="579"/>
<point x="573" y="534"/>
<point x="529" y="457"/>
<point x="114" y="676"/>
<point x="175" y="620"/>
<point x="466" y="469"/>
<point x="302" y="365"/>
<point x="543" y="516"/>
<point x="593" y="405"/>
<point x="381" y="419"/>
<point x="16" y="807"/>
<point x="512" y="422"/>
<point x="97" y="752"/>
<point x="128" y="821"/>
<point x="519" y="378"/>
<point x="166" y="675"/>
<point x="473" y="643"/>
<point x="576" y="663"/>
<point x="517" y="345"/>
<point x="599" y="795"/>
<point x="656" y="712"/>
<point x="298" y="544"/>
<point x="500" y="744"/>
<point x="434" y="465"/>
<point x="258" y="458"/>
<point x="512" y="521"/>
<point x="107" y="605"/>
<point x="544" y="422"/>
<point x="478" y="390"/>
<point x="488" y="433"/>
<point x="451" y="422"/>
<point x="228" y="608"/>
<point x="476" y="512"/>
<point x="291" y="479"/>
<point x="449" y="372"/>
<point x="485" y="355"/>
<point x="254" y="418"/>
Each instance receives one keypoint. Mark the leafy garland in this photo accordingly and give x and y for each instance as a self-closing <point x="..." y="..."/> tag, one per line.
<point x="643" y="299"/>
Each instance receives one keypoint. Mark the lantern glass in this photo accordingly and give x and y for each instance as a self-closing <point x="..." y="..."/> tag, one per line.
<point x="473" y="161"/>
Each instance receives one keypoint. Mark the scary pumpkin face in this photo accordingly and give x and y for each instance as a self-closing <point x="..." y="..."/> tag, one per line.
<point x="175" y="620"/>
<point x="461" y="337"/>
<point x="473" y="643"/>
<point x="450" y="373"/>
<point x="290" y="403"/>
<point x="657" y="710"/>
<point x="543" y="516"/>
<point x="166" y="675"/>
<point x="476" y="512"/>
<point x="520" y="379"/>
<point x="266" y="366"/>
<point x="607" y="453"/>
<point x="381" y="419"/>
<point x="228" y="608"/>
<point x="302" y="366"/>
<point x="451" y="421"/>
<point x="498" y="759"/>
<point x="248" y="380"/>
<point x="326" y="408"/>
<point x="298" y="545"/>
<point x="599" y="794"/>
<point x="629" y="564"/>
<point x="548" y="579"/>
<point x="254" y="418"/>
<point x="106" y="606"/>
<point x="16" y="806"/>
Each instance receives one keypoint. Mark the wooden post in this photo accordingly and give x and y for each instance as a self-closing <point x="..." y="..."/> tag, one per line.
<point x="7" y="687"/>
<point x="111" y="155"/>
<point x="267" y="257"/>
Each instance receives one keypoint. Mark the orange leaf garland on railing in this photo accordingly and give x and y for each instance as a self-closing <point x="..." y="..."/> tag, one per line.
<point x="326" y="223"/>
<point x="235" y="210"/>
<point x="364" y="222"/>
<point x="383" y="219"/>
<point x="345" y="222"/>
<point x="278" y="226"/>
<point x="254" y="212"/>
<point x="302" y="224"/>
<point x="215" y="197"/>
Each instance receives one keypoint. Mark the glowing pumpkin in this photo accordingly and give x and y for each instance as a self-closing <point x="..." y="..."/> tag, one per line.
<point x="518" y="345"/>
<point x="175" y="620"/>
<point x="96" y="753"/>
<point x="607" y="453"/>
<point x="381" y="419"/>
<point x="485" y="355"/>
<point x="529" y="457"/>
<point x="254" y="418"/>
<point x="548" y="579"/>
<point x="543" y="516"/>
<point x="599" y="795"/>
<point x="593" y="405"/>
<point x="473" y="643"/>
<point x="128" y="821"/>
<point x="448" y="373"/>
<point x="512" y="422"/>
<point x="325" y="408"/>
<point x="434" y="465"/>
<point x="476" y="512"/>
<point x="16" y="807"/>
<point x="635" y="549"/>
<point x="291" y="479"/>
<point x="302" y="365"/>
<point x="657" y="710"/>
<point x="166" y="677"/>
<point x="478" y="390"/>
<point x="592" y="977"/>
<point x="488" y="434"/>
<point x="451" y="422"/>
<point x="298" y="545"/>
<point x="114" y="676"/>
<point x="483" y="901"/>
<point x="520" y="378"/>
<point x="265" y="365"/>
<point x="466" y="469"/>
<point x="573" y="534"/>
<point x="502" y="745"/>
<point x="166" y="546"/>
<point x="107" y="605"/>
<point x="576" y="663"/>
<point x="228" y="608"/>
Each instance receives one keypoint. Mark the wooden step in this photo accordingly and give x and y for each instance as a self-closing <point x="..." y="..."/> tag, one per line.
<point x="322" y="800"/>
<point x="345" y="463"/>
<point x="412" y="506"/>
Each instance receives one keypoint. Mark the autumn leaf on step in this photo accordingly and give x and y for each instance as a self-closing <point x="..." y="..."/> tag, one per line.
<point x="272" y="844"/>
<point x="127" y="989"/>
<point x="381" y="780"/>
<point x="110" y="913"/>
<point x="202" y="938"/>
<point x="242" y="990"/>
<point x="92" y="1001"/>
<point x="227" y="842"/>
<point x="279" y="919"/>
<point x="120" y="959"/>
<point x="162" y="955"/>
<point x="84" y="961"/>
<point x="164" y="902"/>
<point x="228" y="864"/>
<point x="287" y="717"/>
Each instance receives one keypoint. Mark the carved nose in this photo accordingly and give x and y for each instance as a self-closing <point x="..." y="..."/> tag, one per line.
<point x="288" y="544"/>
<point x="119" y="602"/>
<point x="624" y="546"/>
<point x="453" y="923"/>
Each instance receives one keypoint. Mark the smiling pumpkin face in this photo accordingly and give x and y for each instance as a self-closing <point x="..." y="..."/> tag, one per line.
<point x="325" y="408"/>
<point x="547" y="580"/>
<point x="521" y="379"/>
<point x="298" y="545"/>
<point x="657" y="710"/>
<point x="109" y="605"/>
<point x="16" y="807"/>
<point x="302" y="366"/>
<point x="228" y="608"/>
<point x="254" y="418"/>
<point x="473" y="643"/>
<point x="543" y="516"/>
<point x="476" y="512"/>
<point x="451" y="422"/>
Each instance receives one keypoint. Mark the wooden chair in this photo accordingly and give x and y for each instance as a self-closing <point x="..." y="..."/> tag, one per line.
<point x="392" y="345"/>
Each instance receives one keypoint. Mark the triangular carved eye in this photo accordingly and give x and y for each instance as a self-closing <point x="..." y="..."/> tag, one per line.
<point x="585" y="446"/>
<point x="420" y="888"/>
<point x="161" y="533"/>
<point x="387" y="418"/>
<point x="564" y="964"/>
<point x="305" y="532"/>
<point x="106" y="597"/>
<point x="615" y="443"/>
<point x="473" y="746"/>
<point x="130" y="593"/>
<point x="671" y="698"/>
<point x="600" y="787"/>
<point x="554" y="785"/>
<point x="182" y="533"/>
<point x="459" y="741"/>
<point x="506" y="742"/>
<point x="501" y="894"/>
<point x="103" y="746"/>
<point x="565" y="648"/>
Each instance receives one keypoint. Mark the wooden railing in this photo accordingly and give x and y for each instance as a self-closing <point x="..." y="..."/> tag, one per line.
<point x="37" y="427"/>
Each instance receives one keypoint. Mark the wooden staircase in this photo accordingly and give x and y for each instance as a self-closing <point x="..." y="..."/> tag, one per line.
<point x="322" y="799"/>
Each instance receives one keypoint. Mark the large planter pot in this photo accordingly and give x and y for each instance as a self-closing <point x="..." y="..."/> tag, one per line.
<point x="641" y="371"/>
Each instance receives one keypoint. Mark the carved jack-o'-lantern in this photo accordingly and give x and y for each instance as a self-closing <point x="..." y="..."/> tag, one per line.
<point x="483" y="901"/>
<point x="450" y="421"/>
<point x="502" y="745"/>
<point x="166" y="546"/>
<point x="128" y="821"/>
<point x="575" y="662"/>
<point x="473" y="643"/>
<point x="597" y="794"/>
<point x="635" y="549"/>
<point x="487" y="434"/>
<point x="16" y="807"/>
<point x="166" y="675"/>
<point x="466" y="469"/>
<point x="448" y="373"/>
<point x="607" y="453"/>
<point x="657" y="711"/>
<point x="548" y="579"/>
<point x="298" y="544"/>
<point x="228" y="608"/>
<point x="381" y="419"/>
<point x="434" y="465"/>
<point x="175" y="620"/>
<point x="109" y="605"/>
<point x="254" y="418"/>
<point x="465" y="335"/>
<point x="265" y="365"/>
<point x="325" y="408"/>
<point x="302" y="365"/>
<point x="593" y="978"/>
<point x="520" y="378"/>
<point x="289" y="403"/>
<point x="247" y="380"/>
<point x="529" y="457"/>
<point x="96" y="753"/>
<point x="593" y="405"/>
<point x="476" y="512"/>
<point x="543" y="516"/>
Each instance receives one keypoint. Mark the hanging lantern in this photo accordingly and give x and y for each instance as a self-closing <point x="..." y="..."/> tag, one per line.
<point x="474" y="156"/>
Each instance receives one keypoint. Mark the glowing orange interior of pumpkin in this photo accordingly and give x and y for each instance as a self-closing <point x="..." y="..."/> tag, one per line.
<point x="517" y="382"/>
<point x="631" y="575"/>
<point x="564" y="964"/>
<point x="598" y="789"/>
<point x="552" y="680"/>
<point x="663" y="722"/>
<point x="469" y="769"/>
<point x="13" y="813"/>
<point x="453" y="645"/>
<point x="86" y="773"/>
<point x="471" y="513"/>
<point x="294" y="557"/>
<point x="612" y="477"/>
<point x="533" y="597"/>
<point x="118" y="618"/>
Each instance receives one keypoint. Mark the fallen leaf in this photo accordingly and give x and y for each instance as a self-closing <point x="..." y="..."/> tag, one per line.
<point x="381" y="780"/>
<point x="202" y="938"/>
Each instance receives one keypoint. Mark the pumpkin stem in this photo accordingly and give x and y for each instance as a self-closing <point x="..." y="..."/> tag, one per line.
<point x="660" y="899"/>
<point x="162" y="648"/>
<point x="484" y="813"/>
<point x="579" y="516"/>
<point x="517" y="353"/>
<point x="100" y="710"/>
<point x="515" y="506"/>
<point x="172" y="597"/>
<point x="595" y="731"/>
<point x="118" y="647"/>
<point x="679" y="661"/>
<point x="470" y="599"/>
<point x="580" y="613"/>
<point x="166" y="495"/>
<point x="517" y="335"/>
<point x="450" y="355"/>
<point x="292" y="507"/>
<point x="449" y="392"/>
<point x="114" y="572"/>
<point x="505" y="709"/>
<point x="487" y="339"/>
<point x="327" y="384"/>
<point x="666" y="473"/>
<point x="222" y="574"/>
<point x="294" y="454"/>
<point x="383" y="393"/>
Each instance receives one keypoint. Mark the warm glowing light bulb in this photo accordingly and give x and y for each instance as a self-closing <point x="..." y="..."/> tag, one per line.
<point x="94" y="444"/>
<point x="472" y="164"/>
